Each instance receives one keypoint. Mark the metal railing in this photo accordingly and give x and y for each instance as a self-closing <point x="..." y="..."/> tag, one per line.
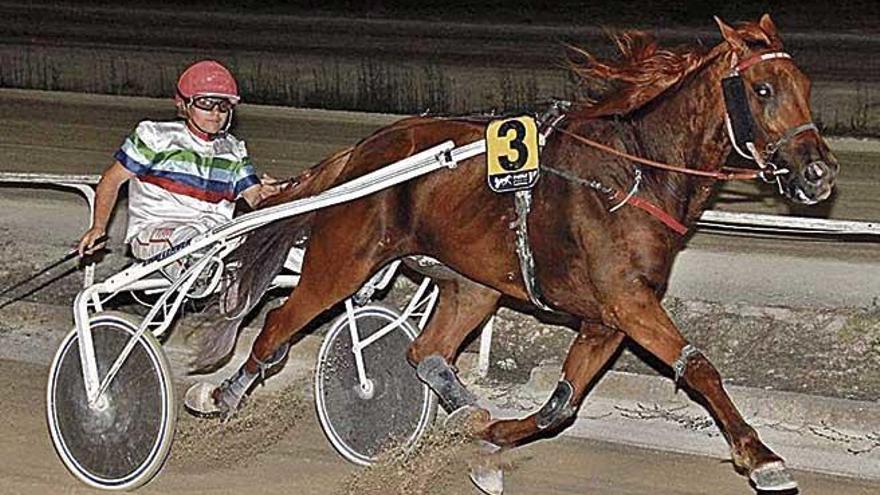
<point x="82" y="183"/>
<point x="782" y="224"/>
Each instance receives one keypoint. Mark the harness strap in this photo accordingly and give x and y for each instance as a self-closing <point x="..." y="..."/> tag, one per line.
<point x="616" y="195"/>
<point x="760" y="57"/>
<point x="523" y="203"/>
<point x="632" y="192"/>
<point x="656" y="212"/>
<point x="794" y="131"/>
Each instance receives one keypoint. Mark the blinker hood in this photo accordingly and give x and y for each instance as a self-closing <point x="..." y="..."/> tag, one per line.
<point x="738" y="113"/>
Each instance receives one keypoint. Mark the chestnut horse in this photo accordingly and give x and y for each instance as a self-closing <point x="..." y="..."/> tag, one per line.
<point x="608" y="270"/>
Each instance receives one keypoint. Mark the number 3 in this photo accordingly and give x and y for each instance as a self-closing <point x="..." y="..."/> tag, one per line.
<point x="516" y="144"/>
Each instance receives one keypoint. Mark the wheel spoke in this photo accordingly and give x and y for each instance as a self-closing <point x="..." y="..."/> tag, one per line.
<point x="398" y="408"/>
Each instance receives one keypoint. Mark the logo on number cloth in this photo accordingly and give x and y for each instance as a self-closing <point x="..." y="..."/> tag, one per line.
<point x="512" y="154"/>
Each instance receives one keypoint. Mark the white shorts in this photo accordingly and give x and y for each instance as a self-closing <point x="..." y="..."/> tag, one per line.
<point x="161" y="236"/>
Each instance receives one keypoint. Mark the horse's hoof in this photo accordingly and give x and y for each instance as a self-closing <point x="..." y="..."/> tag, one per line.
<point x="486" y="473"/>
<point x="199" y="401"/>
<point x="467" y="419"/>
<point x="772" y="477"/>
<point x="488" y="480"/>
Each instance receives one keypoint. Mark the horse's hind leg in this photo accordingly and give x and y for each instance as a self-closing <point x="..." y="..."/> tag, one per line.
<point x="639" y="314"/>
<point x="335" y="267"/>
<point x="588" y="354"/>
<point x="461" y="307"/>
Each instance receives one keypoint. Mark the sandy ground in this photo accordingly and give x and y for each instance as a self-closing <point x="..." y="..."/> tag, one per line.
<point x="279" y="448"/>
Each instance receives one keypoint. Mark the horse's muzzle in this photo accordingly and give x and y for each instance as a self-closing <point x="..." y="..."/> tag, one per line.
<point x="813" y="183"/>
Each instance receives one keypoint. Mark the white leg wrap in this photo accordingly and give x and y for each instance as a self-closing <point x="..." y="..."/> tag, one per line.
<point x="680" y="364"/>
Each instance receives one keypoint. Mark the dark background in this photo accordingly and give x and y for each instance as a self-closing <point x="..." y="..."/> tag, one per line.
<point x="394" y="56"/>
<point x="806" y="14"/>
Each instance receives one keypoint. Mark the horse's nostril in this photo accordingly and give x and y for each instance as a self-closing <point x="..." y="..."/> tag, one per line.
<point x="815" y="171"/>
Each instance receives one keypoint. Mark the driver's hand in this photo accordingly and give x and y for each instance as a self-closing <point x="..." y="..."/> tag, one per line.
<point x="87" y="243"/>
<point x="271" y="186"/>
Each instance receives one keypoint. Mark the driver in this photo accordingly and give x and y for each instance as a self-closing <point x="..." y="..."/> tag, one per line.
<point x="184" y="175"/>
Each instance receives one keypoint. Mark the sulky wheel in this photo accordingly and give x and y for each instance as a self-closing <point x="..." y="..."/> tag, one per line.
<point x="122" y="441"/>
<point x="395" y="409"/>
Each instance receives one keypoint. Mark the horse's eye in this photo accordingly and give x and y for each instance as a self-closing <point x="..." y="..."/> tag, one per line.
<point x="763" y="90"/>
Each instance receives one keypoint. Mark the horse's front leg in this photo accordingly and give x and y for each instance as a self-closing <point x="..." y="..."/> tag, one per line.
<point x="640" y="315"/>
<point x="588" y="354"/>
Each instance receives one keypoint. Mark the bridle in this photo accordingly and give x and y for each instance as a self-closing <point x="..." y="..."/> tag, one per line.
<point x="740" y="126"/>
<point x="741" y="129"/>
<point x="740" y="123"/>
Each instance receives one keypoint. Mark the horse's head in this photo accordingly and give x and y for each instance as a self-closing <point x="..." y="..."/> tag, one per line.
<point x="768" y="114"/>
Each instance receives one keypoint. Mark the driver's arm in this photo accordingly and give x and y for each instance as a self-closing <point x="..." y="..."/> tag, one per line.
<point x="105" y="199"/>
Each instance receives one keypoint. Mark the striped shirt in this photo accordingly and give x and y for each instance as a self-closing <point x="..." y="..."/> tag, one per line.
<point x="181" y="178"/>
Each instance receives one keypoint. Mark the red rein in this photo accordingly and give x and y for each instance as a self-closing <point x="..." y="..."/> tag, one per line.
<point x="730" y="174"/>
<point x="650" y="208"/>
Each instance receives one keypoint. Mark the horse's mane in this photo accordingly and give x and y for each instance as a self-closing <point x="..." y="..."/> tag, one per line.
<point x="644" y="70"/>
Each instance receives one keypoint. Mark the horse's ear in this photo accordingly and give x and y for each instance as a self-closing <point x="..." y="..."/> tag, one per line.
<point x="768" y="26"/>
<point x="731" y="37"/>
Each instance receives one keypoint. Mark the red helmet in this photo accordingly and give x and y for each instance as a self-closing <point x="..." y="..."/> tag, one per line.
<point x="206" y="78"/>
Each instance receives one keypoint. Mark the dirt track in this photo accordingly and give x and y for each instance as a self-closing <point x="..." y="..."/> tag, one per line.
<point x="284" y="452"/>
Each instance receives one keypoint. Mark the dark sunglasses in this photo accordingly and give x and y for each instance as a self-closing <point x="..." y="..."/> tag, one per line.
<point x="208" y="103"/>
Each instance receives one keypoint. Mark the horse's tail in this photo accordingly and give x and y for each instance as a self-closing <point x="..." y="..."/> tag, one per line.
<point x="255" y="263"/>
